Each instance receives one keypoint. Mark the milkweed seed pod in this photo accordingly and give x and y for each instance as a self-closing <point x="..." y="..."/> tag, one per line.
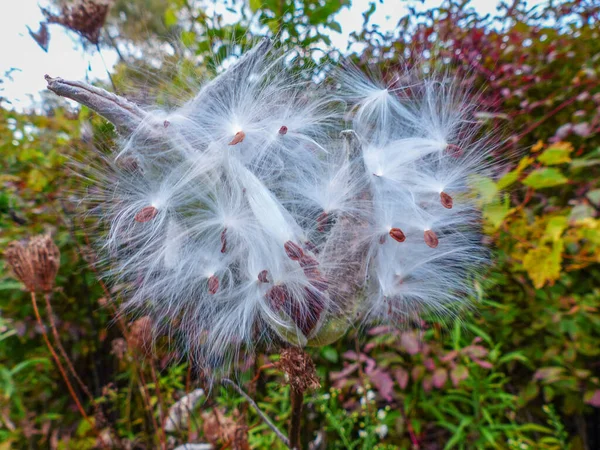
<point x="245" y="218"/>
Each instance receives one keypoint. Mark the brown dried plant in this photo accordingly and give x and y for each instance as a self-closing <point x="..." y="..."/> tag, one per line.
<point x="85" y="17"/>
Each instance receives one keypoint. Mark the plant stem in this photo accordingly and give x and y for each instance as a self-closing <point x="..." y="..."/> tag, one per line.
<point x="62" y="351"/>
<point x="262" y="415"/>
<point x="62" y="369"/>
<point x="297" y="401"/>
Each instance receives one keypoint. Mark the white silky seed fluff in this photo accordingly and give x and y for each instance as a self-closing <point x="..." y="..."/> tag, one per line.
<point x="243" y="218"/>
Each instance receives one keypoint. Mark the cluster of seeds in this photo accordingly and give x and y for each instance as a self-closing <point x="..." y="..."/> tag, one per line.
<point x="242" y="217"/>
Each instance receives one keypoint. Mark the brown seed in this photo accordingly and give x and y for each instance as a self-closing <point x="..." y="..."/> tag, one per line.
<point x="213" y="285"/>
<point x="283" y="130"/>
<point x="431" y="238"/>
<point x="262" y="276"/>
<point x="224" y="241"/>
<point x="293" y="251"/>
<point x="322" y="221"/>
<point x="146" y="214"/>
<point x="307" y="261"/>
<point x="397" y="235"/>
<point x="312" y="247"/>
<point x="278" y="296"/>
<point x="454" y="150"/>
<point x="166" y="123"/>
<point x="306" y="319"/>
<point x="239" y="137"/>
<point x="318" y="281"/>
<point x="446" y="200"/>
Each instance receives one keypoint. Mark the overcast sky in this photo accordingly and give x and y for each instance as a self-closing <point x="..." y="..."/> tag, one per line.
<point x="67" y="59"/>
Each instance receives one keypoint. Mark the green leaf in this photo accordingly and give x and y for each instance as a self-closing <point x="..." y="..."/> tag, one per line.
<point x="170" y="18"/>
<point x="255" y="5"/>
<point x="556" y="154"/>
<point x="335" y="26"/>
<point x="330" y="354"/>
<point x="188" y="38"/>
<point x="543" y="178"/>
<point x="508" y="179"/>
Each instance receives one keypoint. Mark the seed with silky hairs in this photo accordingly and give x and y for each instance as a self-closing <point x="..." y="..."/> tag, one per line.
<point x="239" y="137"/>
<point x="277" y="296"/>
<point x="224" y="241"/>
<point x="322" y="221"/>
<point x="454" y="150"/>
<point x="397" y="235"/>
<point x="293" y="251"/>
<point x="312" y="247"/>
<point x="213" y="285"/>
<point x="446" y="200"/>
<point x="431" y="238"/>
<point x="262" y="276"/>
<point x="146" y="214"/>
<point x="283" y="130"/>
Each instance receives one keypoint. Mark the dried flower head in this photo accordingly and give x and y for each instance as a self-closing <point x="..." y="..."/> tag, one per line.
<point x="85" y="17"/>
<point x="35" y="265"/>
<point x="140" y="335"/>
<point x="299" y="368"/>
<point x="18" y="259"/>
<point x="45" y="258"/>
<point x="248" y="221"/>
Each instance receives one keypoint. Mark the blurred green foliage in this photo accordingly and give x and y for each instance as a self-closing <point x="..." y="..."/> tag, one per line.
<point x="521" y="370"/>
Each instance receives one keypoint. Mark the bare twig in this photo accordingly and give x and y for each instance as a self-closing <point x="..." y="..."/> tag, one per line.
<point x="263" y="416"/>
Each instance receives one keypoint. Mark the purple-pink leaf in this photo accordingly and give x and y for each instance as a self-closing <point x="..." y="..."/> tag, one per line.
<point x="593" y="398"/>
<point x="417" y="372"/>
<point x="475" y="351"/>
<point x="439" y="377"/>
<point x="348" y="370"/>
<point x="383" y="383"/>
<point x="427" y="383"/>
<point x="458" y="374"/>
<point x="484" y="364"/>
<point x="409" y="342"/>
<point x="548" y="374"/>
<point x="401" y="376"/>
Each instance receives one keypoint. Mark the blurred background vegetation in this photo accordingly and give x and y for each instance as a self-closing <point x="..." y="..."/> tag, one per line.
<point x="521" y="370"/>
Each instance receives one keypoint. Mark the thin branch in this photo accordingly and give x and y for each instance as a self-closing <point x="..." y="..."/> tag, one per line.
<point x="263" y="416"/>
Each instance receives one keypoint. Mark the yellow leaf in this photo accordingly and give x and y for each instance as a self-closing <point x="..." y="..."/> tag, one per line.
<point x="524" y="163"/>
<point x="36" y="180"/>
<point x="555" y="228"/>
<point x="543" y="264"/>
<point x="538" y="146"/>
